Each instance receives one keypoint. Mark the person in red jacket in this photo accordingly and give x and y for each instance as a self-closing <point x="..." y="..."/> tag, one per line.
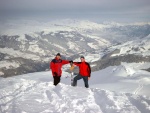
<point x="84" y="72"/>
<point x="56" y="65"/>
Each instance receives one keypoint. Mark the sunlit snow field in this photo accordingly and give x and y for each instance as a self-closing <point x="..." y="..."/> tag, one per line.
<point x="116" y="89"/>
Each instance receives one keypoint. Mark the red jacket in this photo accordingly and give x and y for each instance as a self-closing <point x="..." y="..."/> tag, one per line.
<point x="84" y="68"/>
<point x="56" y="65"/>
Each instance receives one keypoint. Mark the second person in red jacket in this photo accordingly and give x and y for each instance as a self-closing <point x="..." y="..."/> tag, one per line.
<point x="84" y="72"/>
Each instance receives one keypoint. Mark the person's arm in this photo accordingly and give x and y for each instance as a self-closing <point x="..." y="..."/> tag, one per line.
<point x="65" y="62"/>
<point x="89" y="69"/>
<point x="52" y="67"/>
<point x="77" y="63"/>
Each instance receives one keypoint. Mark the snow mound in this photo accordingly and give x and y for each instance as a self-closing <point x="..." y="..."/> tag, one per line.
<point x="35" y="93"/>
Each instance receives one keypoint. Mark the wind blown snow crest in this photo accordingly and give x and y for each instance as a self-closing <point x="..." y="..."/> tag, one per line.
<point x="35" y="93"/>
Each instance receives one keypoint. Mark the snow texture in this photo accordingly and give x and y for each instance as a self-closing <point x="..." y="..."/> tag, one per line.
<point x="35" y="93"/>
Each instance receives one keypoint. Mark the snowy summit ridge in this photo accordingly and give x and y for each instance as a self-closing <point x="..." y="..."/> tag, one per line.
<point x="35" y="92"/>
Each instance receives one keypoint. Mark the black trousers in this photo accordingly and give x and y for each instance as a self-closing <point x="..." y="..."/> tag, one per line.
<point x="78" y="77"/>
<point x="56" y="79"/>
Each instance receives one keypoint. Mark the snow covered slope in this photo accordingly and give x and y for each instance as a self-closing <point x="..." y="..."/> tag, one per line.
<point x="135" y="51"/>
<point x="123" y="78"/>
<point x="137" y="47"/>
<point x="35" y="93"/>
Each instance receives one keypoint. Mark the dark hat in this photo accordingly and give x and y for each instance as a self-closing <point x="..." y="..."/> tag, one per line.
<point x="81" y="56"/>
<point x="58" y="54"/>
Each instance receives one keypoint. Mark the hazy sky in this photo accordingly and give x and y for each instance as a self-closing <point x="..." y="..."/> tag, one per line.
<point x="121" y="10"/>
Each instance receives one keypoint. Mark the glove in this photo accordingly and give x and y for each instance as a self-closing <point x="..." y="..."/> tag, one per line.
<point x="55" y="74"/>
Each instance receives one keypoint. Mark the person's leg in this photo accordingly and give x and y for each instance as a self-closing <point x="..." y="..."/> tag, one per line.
<point x="56" y="79"/>
<point x="78" y="77"/>
<point x="85" y="79"/>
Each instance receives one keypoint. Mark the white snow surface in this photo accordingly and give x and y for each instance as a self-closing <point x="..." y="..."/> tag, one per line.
<point x="116" y="89"/>
<point x="1" y="73"/>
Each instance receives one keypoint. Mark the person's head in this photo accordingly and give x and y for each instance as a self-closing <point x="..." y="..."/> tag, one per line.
<point x="58" y="56"/>
<point x="82" y="59"/>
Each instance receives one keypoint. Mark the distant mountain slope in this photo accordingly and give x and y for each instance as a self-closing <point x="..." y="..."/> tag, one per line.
<point x="136" y="51"/>
<point x="39" y="49"/>
<point x="28" y="46"/>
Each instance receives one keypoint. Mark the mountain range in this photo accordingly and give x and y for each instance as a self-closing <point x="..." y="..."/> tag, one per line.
<point x="28" y="46"/>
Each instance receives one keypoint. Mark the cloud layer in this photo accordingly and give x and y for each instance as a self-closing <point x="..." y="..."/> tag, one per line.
<point x="139" y="8"/>
<point x="78" y="5"/>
